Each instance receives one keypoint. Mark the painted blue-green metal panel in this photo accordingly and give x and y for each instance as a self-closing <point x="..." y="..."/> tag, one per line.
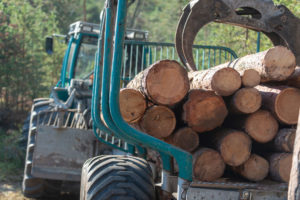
<point x="183" y="158"/>
<point x="65" y="63"/>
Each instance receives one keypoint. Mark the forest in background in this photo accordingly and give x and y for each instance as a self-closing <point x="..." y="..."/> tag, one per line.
<point x="27" y="72"/>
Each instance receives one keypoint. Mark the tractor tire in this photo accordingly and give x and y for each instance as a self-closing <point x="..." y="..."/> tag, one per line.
<point x="35" y="187"/>
<point x="116" y="178"/>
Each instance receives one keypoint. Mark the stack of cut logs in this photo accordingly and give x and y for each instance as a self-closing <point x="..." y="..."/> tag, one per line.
<point x="239" y="116"/>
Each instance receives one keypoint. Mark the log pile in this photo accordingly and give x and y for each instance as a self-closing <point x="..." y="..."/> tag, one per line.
<point x="238" y="116"/>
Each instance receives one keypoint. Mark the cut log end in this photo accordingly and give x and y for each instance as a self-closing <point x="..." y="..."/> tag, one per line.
<point x="261" y="126"/>
<point x="208" y="165"/>
<point x="235" y="147"/>
<point x="186" y="139"/>
<point x="255" y="168"/>
<point x="250" y="78"/>
<point x="280" y="63"/>
<point x="226" y="81"/>
<point x="284" y="141"/>
<point x="132" y="105"/>
<point x="158" y="121"/>
<point x="246" y="101"/>
<point x="167" y="82"/>
<point x="204" y="110"/>
<point x="280" y="166"/>
<point x="287" y="105"/>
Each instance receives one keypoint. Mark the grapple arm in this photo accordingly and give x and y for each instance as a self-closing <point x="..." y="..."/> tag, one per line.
<point x="276" y="22"/>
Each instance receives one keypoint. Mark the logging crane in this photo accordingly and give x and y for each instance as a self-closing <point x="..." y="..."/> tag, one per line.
<point x="118" y="158"/>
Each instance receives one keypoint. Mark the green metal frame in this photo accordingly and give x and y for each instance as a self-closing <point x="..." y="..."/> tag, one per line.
<point x="107" y="80"/>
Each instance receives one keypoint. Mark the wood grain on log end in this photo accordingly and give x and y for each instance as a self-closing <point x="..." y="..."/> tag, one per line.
<point x="158" y="121"/>
<point x="166" y="82"/>
<point x="226" y="81"/>
<point x="246" y="101"/>
<point x="185" y="138"/>
<point x="261" y="126"/>
<point x="256" y="168"/>
<point x="204" y="110"/>
<point x="250" y="78"/>
<point x="280" y="166"/>
<point x="287" y="105"/>
<point x="279" y="63"/>
<point x="234" y="146"/>
<point x="132" y="105"/>
<point x="208" y="165"/>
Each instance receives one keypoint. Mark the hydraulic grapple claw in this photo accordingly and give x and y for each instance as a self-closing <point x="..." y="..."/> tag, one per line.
<point x="276" y="22"/>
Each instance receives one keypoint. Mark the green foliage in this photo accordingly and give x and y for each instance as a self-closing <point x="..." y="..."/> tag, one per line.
<point x="11" y="155"/>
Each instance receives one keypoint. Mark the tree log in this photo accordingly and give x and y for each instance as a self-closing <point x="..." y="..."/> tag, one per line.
<point x="184" y="138"/>
<point x="208" y="165"/>
<point x="132" y="105"/>
<point x="261" y="125"/>
<point x="165" y="82"/>
<point x="294" y="189"/>
<point x="280" y="166"/>
<point x="224" y="81"/>
<point x="282" y="101"/>
<point x="158" y="121"/>
<point x="250" y="78"/>
<point x="284" y="140"/>
<point x="204" y="110"/>
<point x="255" y="168"/>
<point x="294" y="79"/>
<point x="275" y="64"/>
<point x="234" y="146"/>
<point x="245" y="101"/>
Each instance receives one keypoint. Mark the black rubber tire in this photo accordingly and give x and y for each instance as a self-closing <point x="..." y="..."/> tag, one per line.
<point x="35" y="187"/>
<point x="116" y="178"/>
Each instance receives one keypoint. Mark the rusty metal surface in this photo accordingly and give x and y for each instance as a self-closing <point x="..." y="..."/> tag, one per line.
<point x="60" y="152"/>
<point x="276" y="22"/>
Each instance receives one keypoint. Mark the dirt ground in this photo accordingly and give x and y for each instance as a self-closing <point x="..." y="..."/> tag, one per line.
<point x="11" y="191"/>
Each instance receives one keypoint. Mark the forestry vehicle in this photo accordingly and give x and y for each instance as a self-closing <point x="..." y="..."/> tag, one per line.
<point x="82" y="123"/>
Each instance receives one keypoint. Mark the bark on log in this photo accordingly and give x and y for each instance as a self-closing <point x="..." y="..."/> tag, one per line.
<point x="280" y="166"/>
<point x="294" y="189"/>
<point x="165" y="82"/>
<point x="275" y="64"/>
<point x="224" y="81"/>
<point x="256" y="168"/>
<point x="234" y="146"/>
<point x="208" y="165"/>
<point x="204" y="110"/>
<point x="294" y="79"/>
<point x="245" y="101"/>
<point x="184" y="138"/>
<point x="250" y="78"/>
<point x="158" y="121"/>
<point x="282" y="101"/>
<point x="132" y="105"/>
<point x="284" y="140"/>
<point x="261" y="125"/>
